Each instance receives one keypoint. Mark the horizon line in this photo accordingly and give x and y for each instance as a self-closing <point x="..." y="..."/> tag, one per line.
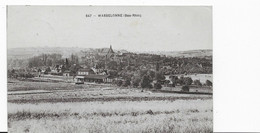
<point x="107" y="47"/>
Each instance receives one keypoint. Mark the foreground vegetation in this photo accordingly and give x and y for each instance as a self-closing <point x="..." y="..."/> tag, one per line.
<point x="43" y="107"/>
<point x="143" y="116"/>
<point x="41" y="92"/>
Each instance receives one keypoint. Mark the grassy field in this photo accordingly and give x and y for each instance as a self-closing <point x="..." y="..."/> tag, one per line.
<point x="63" y="107"/>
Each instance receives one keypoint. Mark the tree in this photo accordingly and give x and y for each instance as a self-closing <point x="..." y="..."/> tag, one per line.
<point x="143" y="72"/>
<point x="159" y="76"/>
<point x="128" y="68"/>
<point x="156" y="58"/>
<point x="146" y="82"/>
<point x="185" y="88"/>
<point x="74" y="68"/>
<point x="10" y="73"/>
<point x="67" y="65"/>
<point x="187" y="81"/>
<point x="113" y="73"/>
<point x="49" y="62"/>
<point x="28" y="75"/>
<point x="136" y="81"/>
<point x="174" y="80"/>
<point x="35" y="62"/>
<point x="44" y="59"/>
<point x="157" y="86"/>
<point x="127" y="82"/>
<point x="47" y="70"/>
<point x="181" y="80"/>
<point x="151" y="74"/>
<point x="74" y="59"/>
<point x="157" y="66"/>
<point x="197" y="82"/>
<point x="100" y="64"/>
<point x="119" y="82"/>
<point x="208" y="83"/>
<point x="119" y="68"/>
<point x="63" y="68"/>
<point x="112" y="65"/>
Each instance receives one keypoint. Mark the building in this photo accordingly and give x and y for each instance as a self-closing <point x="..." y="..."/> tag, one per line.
<point x="97" y="78"/>
<point x="66" y="73"/>
<point x="99" y="71"/>
<point x="79" y="80"/>
<point x="110" y="53"/>
<point x="110" y="56"/>
<point x="93" y="78"/>
<point x="84" y="71"/>
<point x="105" y="52"/>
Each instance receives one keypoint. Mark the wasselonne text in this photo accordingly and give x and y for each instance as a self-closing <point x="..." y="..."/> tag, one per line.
<point x="113" y="15"/>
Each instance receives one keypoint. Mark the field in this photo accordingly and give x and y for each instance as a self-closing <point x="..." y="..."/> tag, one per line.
<point x="65" y="107"/>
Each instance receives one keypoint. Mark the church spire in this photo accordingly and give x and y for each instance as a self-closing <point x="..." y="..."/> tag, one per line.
<point x="110" y="49"/>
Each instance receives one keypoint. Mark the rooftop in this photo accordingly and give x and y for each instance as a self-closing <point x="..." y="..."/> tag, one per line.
<point x="84" y="70"/>
<point x="96" y="76"/>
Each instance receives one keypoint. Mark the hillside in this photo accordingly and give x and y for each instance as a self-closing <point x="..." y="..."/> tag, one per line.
<point x="190" y="53"/>
<point x="23" y="53"/>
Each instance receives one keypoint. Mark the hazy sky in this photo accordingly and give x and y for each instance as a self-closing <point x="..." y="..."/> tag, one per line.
<point x="159" y="28"/>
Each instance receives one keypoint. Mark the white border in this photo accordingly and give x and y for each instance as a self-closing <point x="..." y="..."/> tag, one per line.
<point x="236" y="34"/>
<point x="236" y="45"/>
<point x="108" y="2"/>
<point x="3" y="72"/>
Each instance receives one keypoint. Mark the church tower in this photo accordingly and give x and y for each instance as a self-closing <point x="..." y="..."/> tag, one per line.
<point x="110" y="51"/>
<point x="109" y="55"/>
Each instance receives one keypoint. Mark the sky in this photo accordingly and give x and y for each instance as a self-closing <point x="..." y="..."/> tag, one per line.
<point x="162" y="28"/>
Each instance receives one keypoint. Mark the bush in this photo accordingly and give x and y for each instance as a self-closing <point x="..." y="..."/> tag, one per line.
<point x="174" y="80"/>
<point x="197" y="83"/>
<point x="187" y="81"/>
<point x="29" y="75"/>
<point x="47" y="70"/>
<point x="185" y="88"/>
<point x="146" y="82"/>
<point x="126" y="83"/>
<point x="180" y="80"/>
<point x="173" y="84"/>
<point x="159" y="76"/>
<point x="119" y="82"/>
<point x="114" y="82"/>
<point x="157" y="86"/>
<point x="208" y="83"/>
<point x="136" y="81"/>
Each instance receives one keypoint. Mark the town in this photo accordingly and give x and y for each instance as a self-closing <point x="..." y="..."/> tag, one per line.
<point x="120" y="68"/>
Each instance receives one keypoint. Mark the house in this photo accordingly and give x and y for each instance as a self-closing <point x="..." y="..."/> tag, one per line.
<point x="66" y="73"/>
<point x="99" y="71"/>
<point x="93" y="78"/>
<point x="79" y="80"/>
<point x="107" y="52"/>
<point x="98" y="78"/>
<point x="85" y="71"/>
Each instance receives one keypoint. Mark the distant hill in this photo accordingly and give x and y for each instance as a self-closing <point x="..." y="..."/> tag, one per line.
<point x="23" y="53"/>
<point x="190" y="53"/>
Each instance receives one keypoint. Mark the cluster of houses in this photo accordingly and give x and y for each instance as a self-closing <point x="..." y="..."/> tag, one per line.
<point x="84" y="74"/>
<point x="92" y="73"/>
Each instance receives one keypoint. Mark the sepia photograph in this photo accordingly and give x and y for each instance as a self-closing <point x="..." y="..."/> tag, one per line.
<point x="109" y="69"/>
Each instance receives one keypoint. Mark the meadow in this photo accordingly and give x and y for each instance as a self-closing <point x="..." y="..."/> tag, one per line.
<point x="68" y="108"/>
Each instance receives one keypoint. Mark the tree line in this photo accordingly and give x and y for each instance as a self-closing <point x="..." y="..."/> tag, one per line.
<point x="155" y="80"/>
